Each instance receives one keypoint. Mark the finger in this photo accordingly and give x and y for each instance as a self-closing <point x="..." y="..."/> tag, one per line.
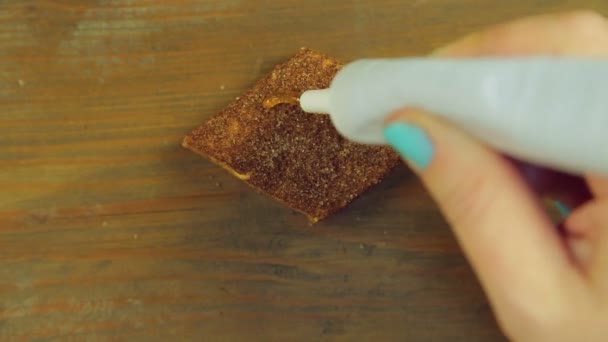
<point x="495" y="216"/>
<point x="591" y="222"/>
<point x="579" y="33"/>
<point x="582" y="224"/>
<point x="598" y="185"/>
<point x="581" y="250"/>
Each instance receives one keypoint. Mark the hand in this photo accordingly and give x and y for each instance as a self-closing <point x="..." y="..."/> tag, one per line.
<point x="543" y="285"/>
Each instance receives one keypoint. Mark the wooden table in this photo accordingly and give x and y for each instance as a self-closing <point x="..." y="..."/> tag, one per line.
<point x="109" y="230"/>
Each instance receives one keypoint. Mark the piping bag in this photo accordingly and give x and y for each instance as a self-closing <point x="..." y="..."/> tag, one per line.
<point x="549" y="111"/>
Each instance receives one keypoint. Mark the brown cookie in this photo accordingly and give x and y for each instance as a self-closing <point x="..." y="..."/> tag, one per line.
<point x="297" y="158"/>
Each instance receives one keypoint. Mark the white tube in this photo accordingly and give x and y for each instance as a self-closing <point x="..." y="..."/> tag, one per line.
<point x="549" y="111"/>
<point x="315" y="101"/>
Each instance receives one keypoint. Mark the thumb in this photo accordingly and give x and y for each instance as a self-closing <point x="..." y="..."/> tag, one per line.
<point x="502" y="228"/>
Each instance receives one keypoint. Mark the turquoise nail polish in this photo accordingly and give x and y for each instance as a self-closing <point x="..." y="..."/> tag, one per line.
<point x="562" y="208"/>
<point x="411" y="142"/>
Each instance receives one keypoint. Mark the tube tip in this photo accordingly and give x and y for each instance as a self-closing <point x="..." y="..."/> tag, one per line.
<point x="315" y="101"/>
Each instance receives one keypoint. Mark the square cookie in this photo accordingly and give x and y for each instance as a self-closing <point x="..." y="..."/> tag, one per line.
<point x="297" y="158"/>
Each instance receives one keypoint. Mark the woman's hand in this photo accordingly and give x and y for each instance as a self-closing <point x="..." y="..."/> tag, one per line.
<point x="543" y="285"/>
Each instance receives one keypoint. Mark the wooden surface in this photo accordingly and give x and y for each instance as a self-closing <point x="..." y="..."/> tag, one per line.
<point x="109" y="230"/>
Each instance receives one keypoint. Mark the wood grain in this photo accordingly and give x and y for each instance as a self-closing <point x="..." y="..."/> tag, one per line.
<point x="109" y="230"/>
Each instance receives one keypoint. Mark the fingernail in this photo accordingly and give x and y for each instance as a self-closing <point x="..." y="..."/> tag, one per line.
<point x="563" y="209"/>
<point x="411" y="142"/>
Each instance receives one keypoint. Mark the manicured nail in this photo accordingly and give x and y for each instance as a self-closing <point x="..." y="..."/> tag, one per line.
<point x="411" y="142"/>
<point x="562" y="209"/>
